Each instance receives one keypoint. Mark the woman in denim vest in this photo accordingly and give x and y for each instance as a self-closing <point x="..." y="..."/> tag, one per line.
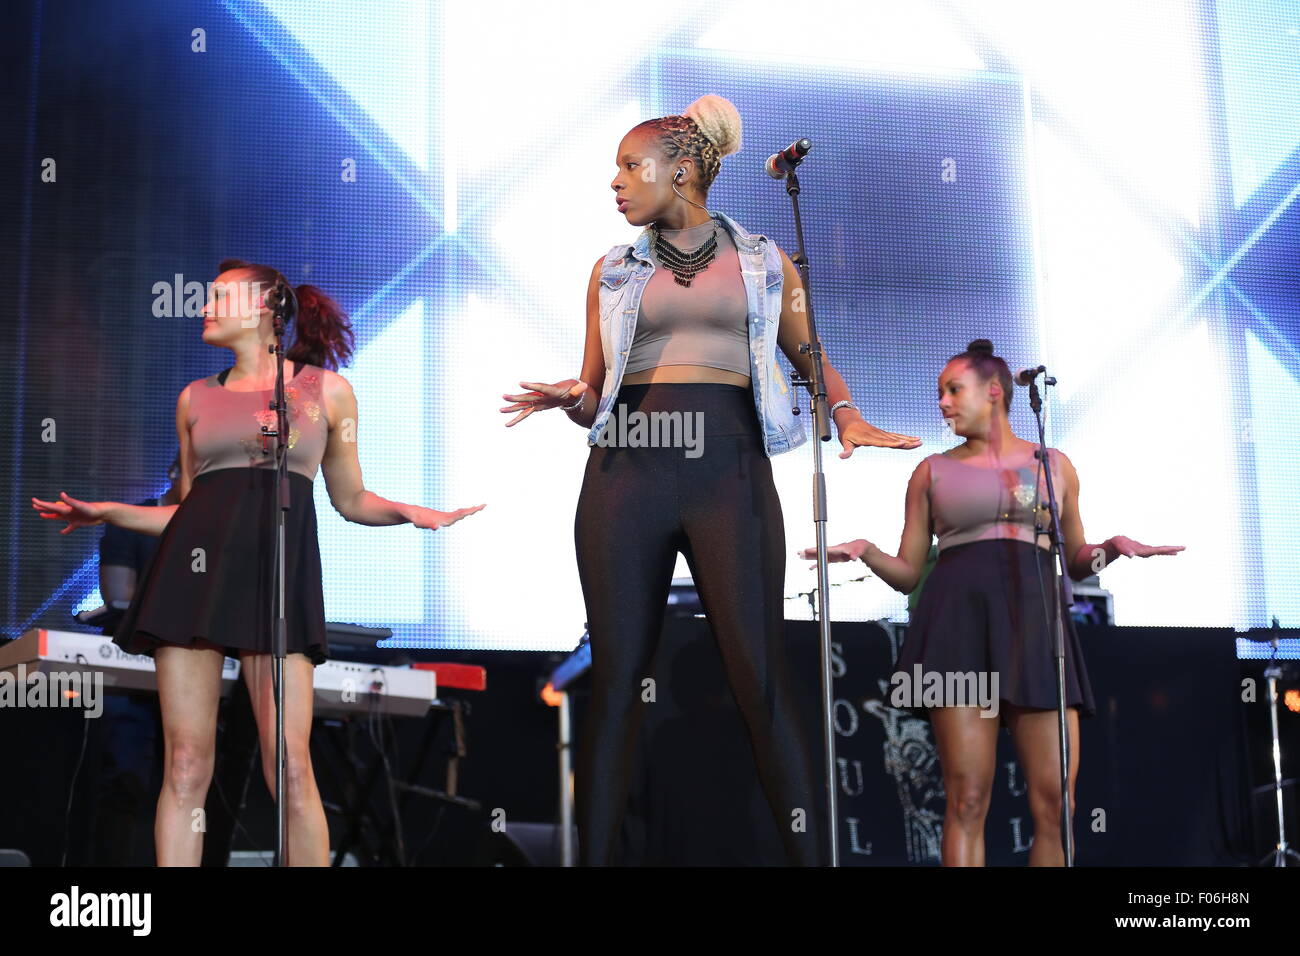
<point x="682" y="329"/>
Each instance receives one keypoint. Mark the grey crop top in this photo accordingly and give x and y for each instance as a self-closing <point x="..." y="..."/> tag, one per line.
<point x="705" y="324"/>
<point x="969" y="503"/>
<point x="226" y="425"/>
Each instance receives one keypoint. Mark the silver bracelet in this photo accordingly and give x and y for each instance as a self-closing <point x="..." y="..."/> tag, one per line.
<point x="838" y="405"/>
<point x="569" y="408"/>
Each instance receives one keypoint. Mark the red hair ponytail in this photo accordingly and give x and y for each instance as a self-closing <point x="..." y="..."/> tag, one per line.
<point x="322" y="334"/>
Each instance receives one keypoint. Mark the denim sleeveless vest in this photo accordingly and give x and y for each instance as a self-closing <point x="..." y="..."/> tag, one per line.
<point x="623" y="277"/>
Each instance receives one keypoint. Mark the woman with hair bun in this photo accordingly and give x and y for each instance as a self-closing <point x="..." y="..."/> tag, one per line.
<point x="981" y="609"/>
<point x="204" y="595"/>
<point x="685" y="322"/>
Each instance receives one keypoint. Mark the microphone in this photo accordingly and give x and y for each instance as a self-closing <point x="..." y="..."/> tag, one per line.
<point x="778" y="164"/>
<point x="283" y="302"/>
<point x="1027" y="375"/>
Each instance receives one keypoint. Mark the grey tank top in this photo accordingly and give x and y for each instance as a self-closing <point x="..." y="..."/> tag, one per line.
<point x="969" y="503"/>
<point x="226" y="425"/>
<point x="705" y="324"/>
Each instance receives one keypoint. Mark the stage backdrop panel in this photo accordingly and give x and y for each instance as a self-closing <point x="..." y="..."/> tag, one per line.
<point x="1107" y="190"/>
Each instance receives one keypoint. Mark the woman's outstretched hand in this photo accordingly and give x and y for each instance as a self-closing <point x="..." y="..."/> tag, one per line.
<point x="848" y="551"/>
<point x="1136" y="549"/>
<point x="863" y="433"/>
<point x="542" y="397"/>
<point x="433" y="520"/>
<point x="78" y="514"/>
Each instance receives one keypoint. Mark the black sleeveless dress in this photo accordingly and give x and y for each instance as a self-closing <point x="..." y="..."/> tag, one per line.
<point x="983" y="608"/>
<point x="211" y="576"/>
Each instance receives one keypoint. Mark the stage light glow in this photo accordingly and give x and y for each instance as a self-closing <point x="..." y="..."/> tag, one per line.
<point x="843" y="34"/>
<point x="388" y="582"/>
<point x="1124" y="83"/>
<point x="1271" y="434"/>
<point x="1115" y="213"/>
<point x="350" y="43"/>
<point x="1106" y="272"/>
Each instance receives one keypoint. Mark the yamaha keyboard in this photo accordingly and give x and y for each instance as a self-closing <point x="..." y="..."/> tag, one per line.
<point x="341" y="687"/>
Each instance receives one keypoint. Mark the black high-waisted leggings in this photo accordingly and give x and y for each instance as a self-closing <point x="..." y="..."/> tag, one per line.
<point x="638" y="508"/>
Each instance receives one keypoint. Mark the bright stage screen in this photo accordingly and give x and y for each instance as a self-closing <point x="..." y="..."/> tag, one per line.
<point x="1106" y="189"/>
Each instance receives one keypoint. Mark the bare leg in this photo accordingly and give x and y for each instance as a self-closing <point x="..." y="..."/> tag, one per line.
<point x="1038" y="745"/>
<point x="308" y="834"/>
<point x="189" y="689"/>
<point x="968" y="746"/>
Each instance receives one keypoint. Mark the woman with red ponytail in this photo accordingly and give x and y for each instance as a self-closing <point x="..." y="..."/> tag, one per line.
<point x="205" y="595"/>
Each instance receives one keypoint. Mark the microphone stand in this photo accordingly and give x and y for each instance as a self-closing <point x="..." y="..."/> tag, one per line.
<point x="1282" y="854"/>
<point x="280" y="639"/>
<point x="822" y="431"/>
<point x="1062" y="601"/>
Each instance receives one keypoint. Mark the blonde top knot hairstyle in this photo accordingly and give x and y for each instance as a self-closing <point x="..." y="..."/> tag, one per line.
<point x="708" y="130"/>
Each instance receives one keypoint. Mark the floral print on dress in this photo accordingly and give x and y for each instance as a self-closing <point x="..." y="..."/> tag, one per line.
<point x="1025" y="494"/>
<point x="261" y="447"/>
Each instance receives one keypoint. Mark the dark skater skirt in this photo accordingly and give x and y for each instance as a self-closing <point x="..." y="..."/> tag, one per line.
<point x="229" y="514"/>
<point x="981" y="611"/>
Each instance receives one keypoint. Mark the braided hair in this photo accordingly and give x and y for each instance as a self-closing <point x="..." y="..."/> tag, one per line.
<point x="708" y="130"/>
<point x="979" y="355"/>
